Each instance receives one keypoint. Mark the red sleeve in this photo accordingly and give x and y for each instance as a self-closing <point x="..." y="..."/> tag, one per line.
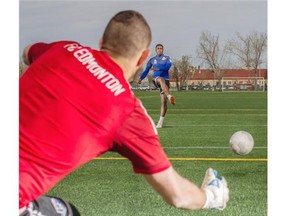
<point x="137" y="140"/>
<point x="37" y="50"/>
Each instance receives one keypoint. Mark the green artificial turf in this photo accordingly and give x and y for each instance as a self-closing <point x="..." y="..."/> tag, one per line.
<point x="195" y="135"/>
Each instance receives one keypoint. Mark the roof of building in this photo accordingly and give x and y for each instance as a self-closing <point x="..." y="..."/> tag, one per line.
<point x="207" y="74"/>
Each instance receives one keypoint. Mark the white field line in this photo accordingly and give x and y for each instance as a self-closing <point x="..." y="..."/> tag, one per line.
<point x="215" y="125"/>
<point x="205" y="147"/>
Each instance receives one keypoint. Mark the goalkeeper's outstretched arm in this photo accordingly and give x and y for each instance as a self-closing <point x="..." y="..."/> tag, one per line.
<point x="182" y="193"/>
<point x="176" y="190"/>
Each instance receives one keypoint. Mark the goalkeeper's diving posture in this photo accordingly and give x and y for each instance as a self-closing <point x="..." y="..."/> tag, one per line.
<point x="76" y="104"/>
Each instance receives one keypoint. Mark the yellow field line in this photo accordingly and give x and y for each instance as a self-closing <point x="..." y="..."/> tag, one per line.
<point x="196" y="159"/>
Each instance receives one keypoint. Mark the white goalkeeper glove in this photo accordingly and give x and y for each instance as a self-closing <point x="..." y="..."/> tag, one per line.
<point x="216" y="190"/>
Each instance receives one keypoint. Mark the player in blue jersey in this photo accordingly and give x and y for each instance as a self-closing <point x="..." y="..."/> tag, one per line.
<point x="160" y="65"/>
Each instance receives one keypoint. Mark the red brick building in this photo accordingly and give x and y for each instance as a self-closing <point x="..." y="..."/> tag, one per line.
<point x="226" y="77"/>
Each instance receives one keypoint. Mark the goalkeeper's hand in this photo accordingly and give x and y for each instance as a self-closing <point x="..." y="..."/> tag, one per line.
<point x="216" y="190"/>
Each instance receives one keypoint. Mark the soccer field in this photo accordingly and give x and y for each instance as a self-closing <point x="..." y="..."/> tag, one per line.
<point x="195" y="137"/>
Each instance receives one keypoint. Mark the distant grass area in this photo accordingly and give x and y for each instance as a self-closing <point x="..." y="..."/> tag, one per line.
<point x="199" y="126"/>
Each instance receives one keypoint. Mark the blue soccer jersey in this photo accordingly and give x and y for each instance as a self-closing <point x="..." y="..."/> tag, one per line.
<point x="162" y="63"/>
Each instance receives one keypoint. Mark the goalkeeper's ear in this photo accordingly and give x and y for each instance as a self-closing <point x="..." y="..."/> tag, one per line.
<point x="143" y="57"/>
<point x="100" y="42"/>
<point x="25" y="57"/>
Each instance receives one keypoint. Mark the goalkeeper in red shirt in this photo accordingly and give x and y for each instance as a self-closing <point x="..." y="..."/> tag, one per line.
<point x="76" y="104"/>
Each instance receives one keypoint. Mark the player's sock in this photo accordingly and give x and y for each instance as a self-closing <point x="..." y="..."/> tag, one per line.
<point x="160" y="122"/>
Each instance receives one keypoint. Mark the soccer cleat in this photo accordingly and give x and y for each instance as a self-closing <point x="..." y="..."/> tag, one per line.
<point x="159" y="125"/>
<point x="171" y="100"/>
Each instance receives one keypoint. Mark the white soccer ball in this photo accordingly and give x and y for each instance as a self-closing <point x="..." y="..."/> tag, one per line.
<point x="241" y="142"/>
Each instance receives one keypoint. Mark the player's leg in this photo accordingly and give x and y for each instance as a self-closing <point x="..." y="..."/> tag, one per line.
<point x="165" y="85"/>
<point x="50" y="206"/>
<point x="163" y="98"/>
<point x="160" y="82"/>
<point x="163" y="110"/>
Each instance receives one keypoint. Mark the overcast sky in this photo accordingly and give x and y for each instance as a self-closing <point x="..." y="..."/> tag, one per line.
<point x="176" y="24"/>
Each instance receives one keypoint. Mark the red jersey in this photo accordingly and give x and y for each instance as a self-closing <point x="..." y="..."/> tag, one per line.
<point x="75" y="104"/>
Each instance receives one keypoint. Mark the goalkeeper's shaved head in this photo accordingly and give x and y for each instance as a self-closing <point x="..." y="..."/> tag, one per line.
<point x="126" y="34"/>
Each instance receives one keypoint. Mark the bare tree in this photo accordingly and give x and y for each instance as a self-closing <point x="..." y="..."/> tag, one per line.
<point x="175" y="73"/>
<point x="208" y="49"/>
<point x="249" y="49"/>
<point x="182" y="70"/>
<point x="241" y="48"/>
<point x="259" y="45"/>
<point x="185" y="69"/>
<point x="211" y="54"/>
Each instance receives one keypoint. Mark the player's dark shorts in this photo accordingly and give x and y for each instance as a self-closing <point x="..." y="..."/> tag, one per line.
<point x="50" y="206"/>
<point x="157" y="85"/>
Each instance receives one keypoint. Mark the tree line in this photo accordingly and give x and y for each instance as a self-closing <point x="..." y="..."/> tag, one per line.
<point x="242" y="51"/>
